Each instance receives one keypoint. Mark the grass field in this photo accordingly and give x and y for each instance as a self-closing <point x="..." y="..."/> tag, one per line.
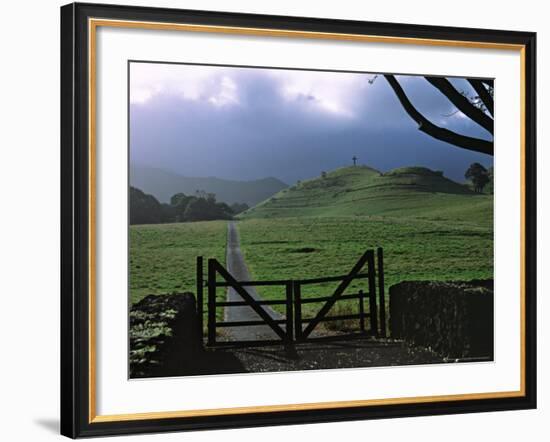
<point x="414" y="249"/>
<point x="163" y="256"/>
<point x="430" y="228"/>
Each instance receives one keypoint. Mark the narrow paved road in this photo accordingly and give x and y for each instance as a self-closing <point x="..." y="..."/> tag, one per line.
<point x="237" y="267"/>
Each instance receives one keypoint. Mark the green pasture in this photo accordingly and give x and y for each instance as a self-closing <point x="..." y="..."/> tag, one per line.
<point x="163" y="256"/>
<point x="414" y="249"/>
<point x="430" y="228"/>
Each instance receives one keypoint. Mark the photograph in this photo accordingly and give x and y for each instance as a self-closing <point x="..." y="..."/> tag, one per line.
<point x="288" y="219"/>
<point x="306" y="217"/>
<point x="275" y="221"/>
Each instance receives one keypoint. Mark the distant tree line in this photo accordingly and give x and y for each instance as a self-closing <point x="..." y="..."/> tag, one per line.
<point x="202" y="206"/>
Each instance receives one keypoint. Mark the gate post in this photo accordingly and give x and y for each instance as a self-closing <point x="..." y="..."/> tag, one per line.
<point x="381" y="297"/>
<point x="373" y="313"/>
<point x="362" y="311"/>
<point x="289" y="313"/>
<point x="211" y="302"/>
<point x="289" y="344"/>
<point x="200" y="290"/>
<point x="297" y="292"/>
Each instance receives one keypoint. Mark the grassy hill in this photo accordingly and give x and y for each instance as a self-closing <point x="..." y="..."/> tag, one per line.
<point x="361" y="190"/>
<point x="430" y="227"/>
<point x="162" y="184"/>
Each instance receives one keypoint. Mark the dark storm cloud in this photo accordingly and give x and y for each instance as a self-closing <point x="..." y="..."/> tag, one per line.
<point x="252" y="123"/>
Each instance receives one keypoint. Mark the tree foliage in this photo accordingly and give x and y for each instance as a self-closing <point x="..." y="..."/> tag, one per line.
<point x="237" y="208"/>
<point x="478" y="175"/>
<point x="146" y="209"/>
<point x="489" y="188"/>
<point x="206" y="209"/>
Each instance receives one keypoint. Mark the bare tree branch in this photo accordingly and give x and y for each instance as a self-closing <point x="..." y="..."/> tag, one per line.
<point x="426" y="126"/>
<point x="450" y="114"/>
<point x="462" y="103"/>
<point x="483" y="94"/>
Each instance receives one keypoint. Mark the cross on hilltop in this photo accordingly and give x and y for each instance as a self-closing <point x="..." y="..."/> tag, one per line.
<point x="355" y="160"/>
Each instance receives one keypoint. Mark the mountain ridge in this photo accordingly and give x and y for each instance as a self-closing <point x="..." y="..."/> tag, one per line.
<point x="163" y="184"/>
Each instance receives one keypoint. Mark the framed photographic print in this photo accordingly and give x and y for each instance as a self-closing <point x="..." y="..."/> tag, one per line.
<point x="274" y="220"/>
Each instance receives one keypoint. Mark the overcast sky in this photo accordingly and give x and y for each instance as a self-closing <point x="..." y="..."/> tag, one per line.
<point x="247" y="123"/>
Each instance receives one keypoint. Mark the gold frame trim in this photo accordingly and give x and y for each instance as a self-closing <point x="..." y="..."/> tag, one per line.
<point x="93" y="24"/>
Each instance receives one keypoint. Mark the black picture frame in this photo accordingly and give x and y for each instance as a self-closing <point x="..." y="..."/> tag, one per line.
<point x="76" y="419"/>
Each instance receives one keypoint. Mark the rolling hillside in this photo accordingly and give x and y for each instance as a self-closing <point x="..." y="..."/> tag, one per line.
<point x="430" y="227"/>
<point x="162" y="184"/>
<point x="361" y="190"/>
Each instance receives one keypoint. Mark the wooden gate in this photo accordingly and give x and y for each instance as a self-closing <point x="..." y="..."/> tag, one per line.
<point x="366" y="261"/>
<point x="212" y="283"/>
<point x="291" y="329"/>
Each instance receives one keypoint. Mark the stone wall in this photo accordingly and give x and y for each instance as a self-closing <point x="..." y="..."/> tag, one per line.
<point x="454" y="319"/>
